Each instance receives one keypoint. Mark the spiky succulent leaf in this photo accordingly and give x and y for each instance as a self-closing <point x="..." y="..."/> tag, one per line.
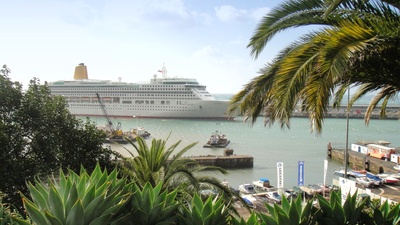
<point x="80" y="199"/>
<point x="35" y="213"/>
<point x="268" y="219"/>
<point x="56" y="204"/>
<point x="52" y="219"/>
<point x="151" y="206"/>
<point x="39" y="197"/>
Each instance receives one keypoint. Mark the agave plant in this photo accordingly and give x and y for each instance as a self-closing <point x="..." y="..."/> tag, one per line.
<point x="152" y="206"/>
<point x="387" y="214"/>
<point x="83" y="199"/>
<point x="334" y="212"/>
<point x="213" y="212"/>
<point x="293" y="212"/>
<point x="252" y="220"/>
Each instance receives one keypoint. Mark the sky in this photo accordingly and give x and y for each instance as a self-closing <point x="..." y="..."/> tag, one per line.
<point x="132" y="39"/>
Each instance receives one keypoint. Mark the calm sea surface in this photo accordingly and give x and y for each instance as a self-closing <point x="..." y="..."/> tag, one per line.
<point x="268" y="145"/>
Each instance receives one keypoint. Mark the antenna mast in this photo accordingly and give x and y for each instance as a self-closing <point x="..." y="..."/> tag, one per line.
<point x="164" y="71"/>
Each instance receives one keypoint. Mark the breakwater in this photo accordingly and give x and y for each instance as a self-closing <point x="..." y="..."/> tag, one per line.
<point x="226" y="162"/>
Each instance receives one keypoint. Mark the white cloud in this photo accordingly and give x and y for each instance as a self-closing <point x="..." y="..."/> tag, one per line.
<point x="227" y="13"/>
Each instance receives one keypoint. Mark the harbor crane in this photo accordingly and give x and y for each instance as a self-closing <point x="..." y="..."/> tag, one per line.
<point x="116" y="132"/>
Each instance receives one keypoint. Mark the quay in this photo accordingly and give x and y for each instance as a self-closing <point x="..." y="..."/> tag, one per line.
<point x="356" y="111"/>
<point x="226" y="161"/>
<point x="361" y="161"/>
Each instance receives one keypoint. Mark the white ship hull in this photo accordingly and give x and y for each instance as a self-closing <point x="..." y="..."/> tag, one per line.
<point x="160" y="98"/>
<point x="195" y="110"/>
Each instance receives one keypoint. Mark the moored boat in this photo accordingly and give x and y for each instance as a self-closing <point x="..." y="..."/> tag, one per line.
<point x="390" y="180"/>
<point x="217" y="140"/>
<point x="262" y="183"/>
<point x="377" y="181"/>
<point x="139" y="131"/>
<point x="316" y="189"/>
<point x="350" y="173"/>
<point x="365" y="182"/>
<point x="246" y="188"/>
<point x="274" y="196"/>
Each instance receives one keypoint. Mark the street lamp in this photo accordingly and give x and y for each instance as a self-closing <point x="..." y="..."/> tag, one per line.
<point x="346" y="152"/>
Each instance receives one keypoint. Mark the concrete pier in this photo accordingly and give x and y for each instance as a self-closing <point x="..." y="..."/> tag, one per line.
<point x="362" y="161"/>
<point x="226" y="162"/>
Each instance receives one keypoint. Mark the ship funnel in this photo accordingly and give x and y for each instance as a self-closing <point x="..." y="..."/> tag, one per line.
<point x="81" y="72"/>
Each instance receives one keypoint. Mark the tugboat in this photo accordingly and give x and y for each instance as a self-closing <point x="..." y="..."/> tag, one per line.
<point x="217" y="140"/>
<point x="139" y="131"/>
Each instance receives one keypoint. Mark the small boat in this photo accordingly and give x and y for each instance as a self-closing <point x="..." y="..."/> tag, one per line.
<point x="262" y="183"/>
<point x="139" y="131"/>
<point x="350" y="173"/>
<point x="377" y="181"/>
<point x="297" y="190"/>
<point x="217" y="140"/>
<point x="388" y="178"/>
<point x="289" y="193"/>
<point x="274" y="196"/>
<point x="397" y="167"/>
<point x="316" y="189"/>
<point x="365" y="182"/>
<point x="359" y="171"/>
<point x="248" y="202"/>
<point x="312" y="189"/>
<point x="246" y="188"/>
<point x="326" y="188"/>
<point x="341" y="172"/>
<point x="307" y="190"/>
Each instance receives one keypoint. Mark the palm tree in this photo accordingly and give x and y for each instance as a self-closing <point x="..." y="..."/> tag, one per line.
<point x="157" y="164"/>
<point x="358" y="45"/>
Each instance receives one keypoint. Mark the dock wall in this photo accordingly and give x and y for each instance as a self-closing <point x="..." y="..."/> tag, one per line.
<point x="227" y="162"/>
<point x="362" y="161"/>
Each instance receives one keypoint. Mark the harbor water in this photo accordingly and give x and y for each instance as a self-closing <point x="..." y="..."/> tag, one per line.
<point x="268" y="145"/>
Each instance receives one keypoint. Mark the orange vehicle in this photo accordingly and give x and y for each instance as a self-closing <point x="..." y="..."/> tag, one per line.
<point x="380" y="151"/>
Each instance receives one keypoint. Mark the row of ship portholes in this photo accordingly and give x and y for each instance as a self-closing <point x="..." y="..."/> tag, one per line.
<point x="74" y="100"/>
<point x="129" y="107"/>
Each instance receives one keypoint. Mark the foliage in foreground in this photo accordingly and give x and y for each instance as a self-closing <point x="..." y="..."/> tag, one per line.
<point x="104" y="198"/>
<point x="159" y="163"/>
<point x="353" y="43"/>
<point x="38" y="136"/>
<point x="84" y="199"/>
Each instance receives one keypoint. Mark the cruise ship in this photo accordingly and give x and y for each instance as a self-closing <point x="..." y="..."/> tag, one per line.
<point x="162" y="97"/>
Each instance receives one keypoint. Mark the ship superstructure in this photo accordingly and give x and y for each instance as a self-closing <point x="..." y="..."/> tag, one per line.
<point x="162" y="97"/>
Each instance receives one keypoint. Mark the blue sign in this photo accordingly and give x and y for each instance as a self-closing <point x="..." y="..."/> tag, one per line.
<point x="300" y="172"/>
